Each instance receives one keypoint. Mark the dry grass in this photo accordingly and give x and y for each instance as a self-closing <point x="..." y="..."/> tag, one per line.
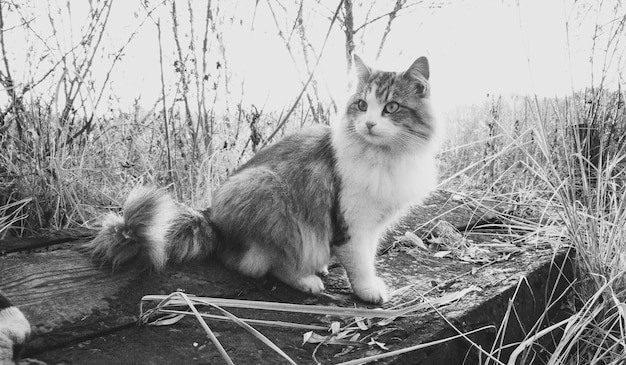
<point x="561" y="177"/>
<point x="557" y="165"/>
<point x="73" y="183"/>
<point x="524" y="153"/>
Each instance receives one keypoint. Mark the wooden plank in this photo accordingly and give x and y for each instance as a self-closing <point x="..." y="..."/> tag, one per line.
<point x="176" y="344"/>
<point x="66" y="296"/>
<point x="23" y="244"/>
<point x="85" y="314"/>
<point x="60" y="286"/>
<point x="78" y="304"/>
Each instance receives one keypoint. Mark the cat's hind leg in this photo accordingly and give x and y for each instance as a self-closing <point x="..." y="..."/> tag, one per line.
<point x="255" y="262"/>
<point x="267" y="225"/>
<point x="314" y="258"/>
<point x="259" y="260"/>
<point x="306" y="282"/>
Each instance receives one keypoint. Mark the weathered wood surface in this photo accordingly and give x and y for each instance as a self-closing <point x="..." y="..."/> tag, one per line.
<point x="84" y="314"/>
<point x="22" y="244"/>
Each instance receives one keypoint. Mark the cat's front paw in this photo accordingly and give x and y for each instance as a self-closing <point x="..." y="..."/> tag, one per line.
<point x="373" y="291"/>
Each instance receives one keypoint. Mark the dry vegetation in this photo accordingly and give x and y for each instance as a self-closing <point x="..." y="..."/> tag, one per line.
<point x="558" y="163"/>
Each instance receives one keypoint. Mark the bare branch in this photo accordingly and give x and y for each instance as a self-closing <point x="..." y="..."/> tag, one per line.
<point x="392" y="16"/>
<point x="165" y="124"/>
<point x="89" y="123"/>
<point x="348" y="29"/>
<point x="295" y="104"/>
<point x="383" y="16"/>
<point x="182" y="70"/>
<point x="208" y="128"/>
<point x="7" y="81"/>
<point x="298" y="25"/>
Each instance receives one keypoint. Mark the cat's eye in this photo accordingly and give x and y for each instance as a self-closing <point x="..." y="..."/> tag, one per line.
<point x="361" y="105"/>
<point x="391" y="107"/>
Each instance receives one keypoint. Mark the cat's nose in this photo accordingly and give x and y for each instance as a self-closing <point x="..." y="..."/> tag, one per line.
<point x="370" y="125"/>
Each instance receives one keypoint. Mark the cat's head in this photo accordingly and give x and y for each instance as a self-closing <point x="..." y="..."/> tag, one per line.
<point x="391" y="110"/>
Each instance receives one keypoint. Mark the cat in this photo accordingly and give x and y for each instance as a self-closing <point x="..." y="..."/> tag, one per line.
<point x="14" y="332"/>
<point x="321" y="191"/>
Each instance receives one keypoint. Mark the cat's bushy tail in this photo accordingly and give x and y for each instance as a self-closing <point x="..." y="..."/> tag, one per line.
<point x="153" y="230"/>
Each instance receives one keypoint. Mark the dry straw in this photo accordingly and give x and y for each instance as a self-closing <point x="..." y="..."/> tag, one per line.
<point x="172" y="308"/>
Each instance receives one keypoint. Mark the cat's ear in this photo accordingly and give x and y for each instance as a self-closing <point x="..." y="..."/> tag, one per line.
<point x="419" y="69"/>
<point x="363" y="72"/>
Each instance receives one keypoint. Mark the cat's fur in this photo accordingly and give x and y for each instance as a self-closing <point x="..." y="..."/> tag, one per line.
<point x="317" y="192"/>
<point x="14" y="332"/>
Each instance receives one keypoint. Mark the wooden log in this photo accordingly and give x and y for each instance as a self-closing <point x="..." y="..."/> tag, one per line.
<point x="88" y="315"/>
<point x="24" y="244"/>
<point x="67" y="297"/>
<point x="82" y="313"/>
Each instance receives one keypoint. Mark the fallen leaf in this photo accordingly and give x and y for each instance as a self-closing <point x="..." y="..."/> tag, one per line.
<point x="355" y="337"/>
<point x="312" y="337"/>
<point x="306" y="337"/>
<point x="441" y="254"/>
<point x="414" y="239"/>
<point x="379" y="344"/>
<point x="361" y="323"/>
<point x="452" y="297"/>
<point x="344" y="334"/>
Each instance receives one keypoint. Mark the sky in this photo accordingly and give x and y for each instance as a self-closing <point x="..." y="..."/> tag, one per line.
<point x="475" y="48"/>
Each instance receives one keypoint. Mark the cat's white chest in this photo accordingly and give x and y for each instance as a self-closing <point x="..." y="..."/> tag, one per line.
<point x="374" y="192"/>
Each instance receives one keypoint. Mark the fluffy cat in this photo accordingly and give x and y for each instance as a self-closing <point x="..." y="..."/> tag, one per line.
<point x="318" y="192"/>
<point x="14" y="332"/>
